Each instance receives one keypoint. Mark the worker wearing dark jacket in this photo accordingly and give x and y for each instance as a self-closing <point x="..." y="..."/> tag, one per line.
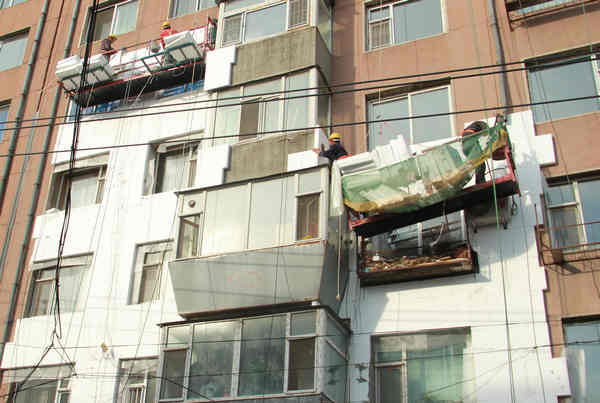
<point x="106" y="46"/>
<point x="335" y="150"/>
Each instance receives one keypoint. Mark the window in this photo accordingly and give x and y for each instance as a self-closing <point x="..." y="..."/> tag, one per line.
<point x="256" y="22"/>
<point x="429" y="366"/>
<point x="182" y="7"/>
<point x="12" y="50"/>
<point x="583" y="360"/>
<point x="3" y="118"/>
<point x="85" y="183"/>
<point x="148" y="269"/>
<point x="247" y="357"/>
<point x="529" y="6"/>
<point x="257" y="215"/>
<point x="573" y="213"/>
<point x="137" y="381"/>
<point x="262" y="111"/>
<point x="403" y="21"/>
<point x="415" y="104"/>
<point x="72" y="285"/>
<point x="172" y="166"/>
<point x="550" y="81"/>
<point x="44" y="385"/>
<point x="116" y="18"/>
<point x="10" y="3"/>
<point x="324" y="23"/>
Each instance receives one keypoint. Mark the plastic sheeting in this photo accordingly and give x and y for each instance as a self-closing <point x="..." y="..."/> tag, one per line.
<point x="431" y="177"/>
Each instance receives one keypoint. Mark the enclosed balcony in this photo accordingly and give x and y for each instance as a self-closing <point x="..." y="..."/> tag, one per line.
<point x="259" y="243"/>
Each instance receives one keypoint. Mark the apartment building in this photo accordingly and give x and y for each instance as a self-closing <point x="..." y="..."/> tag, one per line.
<point x="209" y="255"/>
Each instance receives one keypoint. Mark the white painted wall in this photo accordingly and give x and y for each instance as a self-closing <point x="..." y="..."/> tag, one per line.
<point x="110" y="231"/>
<point x="508" y="261"/>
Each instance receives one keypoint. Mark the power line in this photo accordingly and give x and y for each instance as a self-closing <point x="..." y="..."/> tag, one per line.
<point x="346" y="124"/>
<point x="326" y="92"/>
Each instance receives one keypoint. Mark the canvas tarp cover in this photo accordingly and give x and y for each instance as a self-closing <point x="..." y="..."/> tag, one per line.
<point x="428" y="178"/>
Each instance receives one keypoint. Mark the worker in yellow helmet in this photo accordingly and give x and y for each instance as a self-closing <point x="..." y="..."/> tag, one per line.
<point x="335" y="150"/>
<point x="166" y="31"/>
<point x="106" y="46"/>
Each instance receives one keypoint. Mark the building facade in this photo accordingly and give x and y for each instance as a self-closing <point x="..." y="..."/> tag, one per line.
<point x="208" y="254"/>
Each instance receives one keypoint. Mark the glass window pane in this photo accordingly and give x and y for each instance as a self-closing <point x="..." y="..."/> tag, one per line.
<point x="302" y="361"/>
<point x="389" y="383"/>
<point x="434" y="128"/>
<point x="249" y="119"/>
<point x="265" y="22"/>
<point x="171" y="171"/>
<point x="232" y="27"/>
<point x="40" y="299"/>
<point x="309" y="182"/>
<point x="227" y="122"/>
<point x="182" y="7"/>
<point x="303" y="323"/>
<point x="296" y="110"/>
<point x="417" y="19"/>
<point x="178" y="336"/>
<point x="70" y="284"/>
<point x="324" y="24"/>
<point x="35" y="391"/>
<point x="583" y="360"/>
<point x="173" y="374"/>
<point x="379" y="13"/>
<point x="12" y="51"/>
<point x="266" y="214"/>
<point x="262" y="356"/>
<point x="212" y="360"/>
<point x="189" y="230"/>
<point x="307" y="226"/>
<point x="560" y="195"/>
<point x="149" y="285"/>
<point x="559" y="82"/>
<point x="589" y="194"/>
<point x="336" y="335"/>
<point x="103" y="24"/>
<point x="225" y="221"/>
<point x="238" y="4"/>
<point x="298" y="13"/>
<point x="84" y="189"/>
<point x="380" y="133"/>
<point x="126" y="18"/>
<point x="3" y="119"/>
<point x="565" y="230"/>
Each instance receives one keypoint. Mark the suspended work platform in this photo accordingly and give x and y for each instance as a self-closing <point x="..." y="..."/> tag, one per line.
<point x="430" y="184"/>
<point x="145" y="68"/>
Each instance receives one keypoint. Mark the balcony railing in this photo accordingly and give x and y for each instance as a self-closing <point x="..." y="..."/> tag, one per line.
<point x="568" y="243"/>
<point x="526" y="9"/>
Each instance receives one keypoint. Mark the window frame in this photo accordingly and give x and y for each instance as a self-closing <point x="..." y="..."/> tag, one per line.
<point x="122" y="391"/>
<point x="4" y="112"/>
<point x="196" y="8"/>
<point x="62" y="181"/>
<point x="577" y="203"/>
<point x="409" y="95"/>
<point x="403" y="363"/>
<point x="165" y="248"/>
<point x="81" y="262"/>
<point x="114" y="4"/>
<point x="243" y="12"/>
<point x="155" y="166"/>
<point x="63" y="383"/>
<point x="319" y="333"/>
<point x="4" y="4"/>
<point x="249" y="189"/>
<point x="548" y="62"/>
<point x="19" y="35"/>
<point x="371" y="5"/>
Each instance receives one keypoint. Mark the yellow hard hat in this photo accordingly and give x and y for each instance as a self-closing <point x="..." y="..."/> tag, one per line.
<point x="334" y="136"/>
<point x="112" y="36"/>
<point x="166" y="24"/>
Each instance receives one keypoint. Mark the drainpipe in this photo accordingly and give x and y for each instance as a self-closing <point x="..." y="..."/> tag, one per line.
<point x="37" y="185"/>
<point x="504" y="92"/>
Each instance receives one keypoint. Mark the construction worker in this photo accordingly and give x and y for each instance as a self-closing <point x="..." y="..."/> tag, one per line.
<point x="335" y="150"/>
<point x="106" y="46"/>
<point x="470" y="130"/>
<point x="166" y="31"/>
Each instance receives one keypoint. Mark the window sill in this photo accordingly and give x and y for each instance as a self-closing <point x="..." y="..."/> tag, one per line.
<point x="367" y="51"/>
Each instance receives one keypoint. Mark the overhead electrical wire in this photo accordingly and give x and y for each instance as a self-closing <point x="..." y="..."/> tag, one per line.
<point x="333" y="125"/>
<point x="441" y="73"/>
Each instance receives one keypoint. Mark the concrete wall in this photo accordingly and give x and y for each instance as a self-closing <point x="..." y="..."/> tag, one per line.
<point x="281" y="54"/>
<point x="508" y="268"/>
